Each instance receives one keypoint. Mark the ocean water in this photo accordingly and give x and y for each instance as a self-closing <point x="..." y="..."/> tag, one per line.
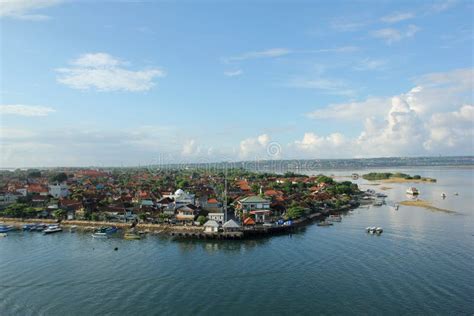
<point x="421" y="265"/>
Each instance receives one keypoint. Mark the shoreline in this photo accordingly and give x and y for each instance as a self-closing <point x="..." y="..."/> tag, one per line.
<point x="186" y="232"/>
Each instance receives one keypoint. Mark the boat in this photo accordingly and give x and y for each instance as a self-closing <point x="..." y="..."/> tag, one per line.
<point x="325" y="224"/>
<point x="374" y="230"/>
<point x="3" y="235"/>
<point x="334" y="218"/>
<point x="378" y="203"/>
<point x="413" y="191"/>
<point x="132" y="236"/>
<point x="6" y="228"/>
<point x="380" y="195"/>
<point x="443" y="195"/>
<point x="29" y="227"/>
<point x="73" y="229"/>
<point x="104" y="232"/>
<point x="51" y="229"/>
<point x="396" y="207"/>
<point x="100" y="235"/>
<point x="41" y="227"/>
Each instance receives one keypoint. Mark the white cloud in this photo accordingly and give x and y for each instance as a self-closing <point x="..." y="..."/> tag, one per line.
<point x="370" y="64"/>
<point x="20" y="9"/>
<point x="268" y="53"/>
<point x="373" y="106"/>
<point x="279" y="52"/>
<point x="25" y="110"/>
<point x="190" y="148"/>
<point x="441" y="6"/>
<point x="435" y="117"/>
<point x="233" y="73"/>
<point x="253" y="147"/>
<point x="397" y="17"/>
<point x="391" y="35"/>
<point x="343" y="25"/>
<point x="104" y="72"/>
<point x="326" y="85"/>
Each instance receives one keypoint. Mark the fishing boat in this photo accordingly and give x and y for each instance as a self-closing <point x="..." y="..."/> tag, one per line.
<point x="51" y="229"/>
<point x="374" y="230"/>
<point x="41" y="227"/>
<point x="132" y="236"/>
<point x="378" y="203"/>
<point x="29" y="227"/>
<point x="325" y="224"/>
<point x="99" y="235"/>
<point x="413" y="191"/>
<point x="334" y="218"/>
<point x="6" y="228"/>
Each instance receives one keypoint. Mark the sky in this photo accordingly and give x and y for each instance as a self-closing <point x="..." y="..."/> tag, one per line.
<point x="125" y="83"/>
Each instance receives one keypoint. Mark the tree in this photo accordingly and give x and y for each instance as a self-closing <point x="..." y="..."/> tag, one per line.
<point x="60" y="177"/>
<point x="202" y="220"/>
<point x="295" y="212"/>
<point x="34" y="173"/>
<point x="59" y="214"/>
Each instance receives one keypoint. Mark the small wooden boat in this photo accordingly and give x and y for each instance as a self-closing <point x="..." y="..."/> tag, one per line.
<point x="325" y="224"/>
<point x="132" y="236"/>
<point x="335" y="218"/>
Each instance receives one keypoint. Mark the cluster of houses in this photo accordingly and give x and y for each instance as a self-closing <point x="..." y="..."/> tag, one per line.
<point x="139" y="196"/>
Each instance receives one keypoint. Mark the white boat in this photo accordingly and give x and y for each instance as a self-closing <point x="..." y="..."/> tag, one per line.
<point x="100" y="235"/>
<point x="73" y="229"/>
<point x="413" y="191"/>
<point x="51" y="229"/>
<point x="374" y="230"/>
<point x="334" y="218"/>
<point x="3" y="235"/>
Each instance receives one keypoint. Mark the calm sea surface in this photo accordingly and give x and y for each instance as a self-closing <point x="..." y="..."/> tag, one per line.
<point x="422" y="264"/>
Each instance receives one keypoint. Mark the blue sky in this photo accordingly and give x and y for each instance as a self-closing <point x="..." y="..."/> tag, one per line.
<point x="126" y="83"/>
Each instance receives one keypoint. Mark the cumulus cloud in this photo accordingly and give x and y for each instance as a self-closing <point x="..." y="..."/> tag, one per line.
<point x="254" y="146"/>
<point x="104" y="72"/>
<point x="434" y="117"/>
<point x="21" y="9"/>
<point x="25" y="110"/>
<point x="392" y="35"/>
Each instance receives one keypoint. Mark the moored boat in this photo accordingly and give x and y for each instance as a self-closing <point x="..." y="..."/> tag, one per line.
<point x="413" y="191"/>
<point x="334" y="218"/>
<point x="325" y="224"/>
<point x="73" y="229"/>
<point x="6" y="228"/>
<point x="3" y="235"/>
<point x="132" y="236"/>
<point x="51" y="229"/>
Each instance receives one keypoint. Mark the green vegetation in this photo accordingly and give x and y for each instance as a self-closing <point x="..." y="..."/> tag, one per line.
<point x="59" y="177"/>
<point x="375" y="176"/>
<point x="295" y="212"/>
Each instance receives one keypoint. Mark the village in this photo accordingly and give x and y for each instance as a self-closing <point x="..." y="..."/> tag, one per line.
<point x="184" y="203"/>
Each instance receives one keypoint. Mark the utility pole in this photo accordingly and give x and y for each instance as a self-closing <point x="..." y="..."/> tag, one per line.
<point x="225" y="194"/>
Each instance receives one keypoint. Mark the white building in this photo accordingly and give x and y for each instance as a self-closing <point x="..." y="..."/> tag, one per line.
<point x="182" y="198"/>
<point x="218" y="217"/>
<point x="211" y="227"/>
<point x="58" y="190"/>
